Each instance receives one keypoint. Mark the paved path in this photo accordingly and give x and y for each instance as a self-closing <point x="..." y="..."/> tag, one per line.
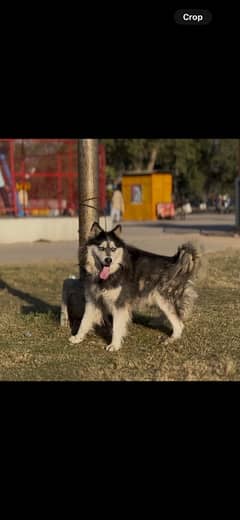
<point x="159" y="237"/>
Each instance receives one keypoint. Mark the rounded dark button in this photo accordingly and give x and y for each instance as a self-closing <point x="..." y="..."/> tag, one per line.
<point x="192" y="16"/>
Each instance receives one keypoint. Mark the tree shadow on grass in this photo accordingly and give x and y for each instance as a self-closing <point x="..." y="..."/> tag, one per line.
<point x="35" y="305"/>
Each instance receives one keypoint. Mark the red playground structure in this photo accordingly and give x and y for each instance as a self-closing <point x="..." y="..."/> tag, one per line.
<point x="39" y="177"/>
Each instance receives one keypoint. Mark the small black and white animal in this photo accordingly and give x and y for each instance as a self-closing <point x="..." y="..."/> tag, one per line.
<point x="117" y="276"/>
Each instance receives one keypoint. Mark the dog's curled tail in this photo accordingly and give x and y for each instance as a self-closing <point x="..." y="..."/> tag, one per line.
<point x="187" y="267"/>
<point x="188" y="258"/>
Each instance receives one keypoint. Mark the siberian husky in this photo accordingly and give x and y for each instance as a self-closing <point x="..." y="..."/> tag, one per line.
<point x="116" y="276"/>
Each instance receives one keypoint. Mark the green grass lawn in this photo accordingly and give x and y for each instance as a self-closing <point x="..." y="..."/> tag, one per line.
<point x="33" y="347"/>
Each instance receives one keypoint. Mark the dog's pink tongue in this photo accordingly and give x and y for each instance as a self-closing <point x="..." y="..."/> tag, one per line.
<point x="105" y="273"/>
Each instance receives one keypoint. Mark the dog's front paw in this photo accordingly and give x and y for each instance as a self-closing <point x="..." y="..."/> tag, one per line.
<point x="171" y="339"/>
<point x="168" y="341"/>
<point x="112" y="347"/>
<point x="75" y="339"/>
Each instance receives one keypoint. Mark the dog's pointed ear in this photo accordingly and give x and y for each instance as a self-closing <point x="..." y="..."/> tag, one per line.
<point x="95" y="230"/>
<point x="117" y="230"/>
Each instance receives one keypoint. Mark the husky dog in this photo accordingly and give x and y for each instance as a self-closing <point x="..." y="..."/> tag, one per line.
<point x="116" y="276"/>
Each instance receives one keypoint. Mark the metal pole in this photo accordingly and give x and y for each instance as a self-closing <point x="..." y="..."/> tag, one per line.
<point x="13" y="183"/>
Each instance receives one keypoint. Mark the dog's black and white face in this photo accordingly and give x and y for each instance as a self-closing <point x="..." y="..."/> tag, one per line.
<point x="104" y="251"/>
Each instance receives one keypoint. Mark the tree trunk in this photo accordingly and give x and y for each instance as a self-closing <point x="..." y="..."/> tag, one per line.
<point x="87" y="186"/>
<point x="152" y="159"/>
<point x="238" y="157"/>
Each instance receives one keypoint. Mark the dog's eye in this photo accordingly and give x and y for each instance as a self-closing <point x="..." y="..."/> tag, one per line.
<point x="101" y="248"/>
<point x="113" y="249"/>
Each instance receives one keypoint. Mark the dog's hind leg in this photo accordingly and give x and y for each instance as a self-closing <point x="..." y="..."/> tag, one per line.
<point x="171" y="315"/>
<point x="92" y="316"/>
<point x="121" y="317"/>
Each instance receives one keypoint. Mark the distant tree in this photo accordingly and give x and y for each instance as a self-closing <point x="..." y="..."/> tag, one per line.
<point x="219" y="163"/>
<point x="199" y="166"/>
<point x="139" y="154"/>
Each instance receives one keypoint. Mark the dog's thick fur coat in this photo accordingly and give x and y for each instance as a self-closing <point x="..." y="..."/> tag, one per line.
<point x="117" y="275"/>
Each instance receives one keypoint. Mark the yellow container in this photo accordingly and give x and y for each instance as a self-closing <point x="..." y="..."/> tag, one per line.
<point x="143" y="191"/>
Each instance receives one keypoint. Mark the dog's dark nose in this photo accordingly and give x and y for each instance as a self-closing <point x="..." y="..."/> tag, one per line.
<point x="107" y="260"/>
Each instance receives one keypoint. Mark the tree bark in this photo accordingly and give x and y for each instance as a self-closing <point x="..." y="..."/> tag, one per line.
<point x="152" y="159"/>
<point x="87" y="186"/>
